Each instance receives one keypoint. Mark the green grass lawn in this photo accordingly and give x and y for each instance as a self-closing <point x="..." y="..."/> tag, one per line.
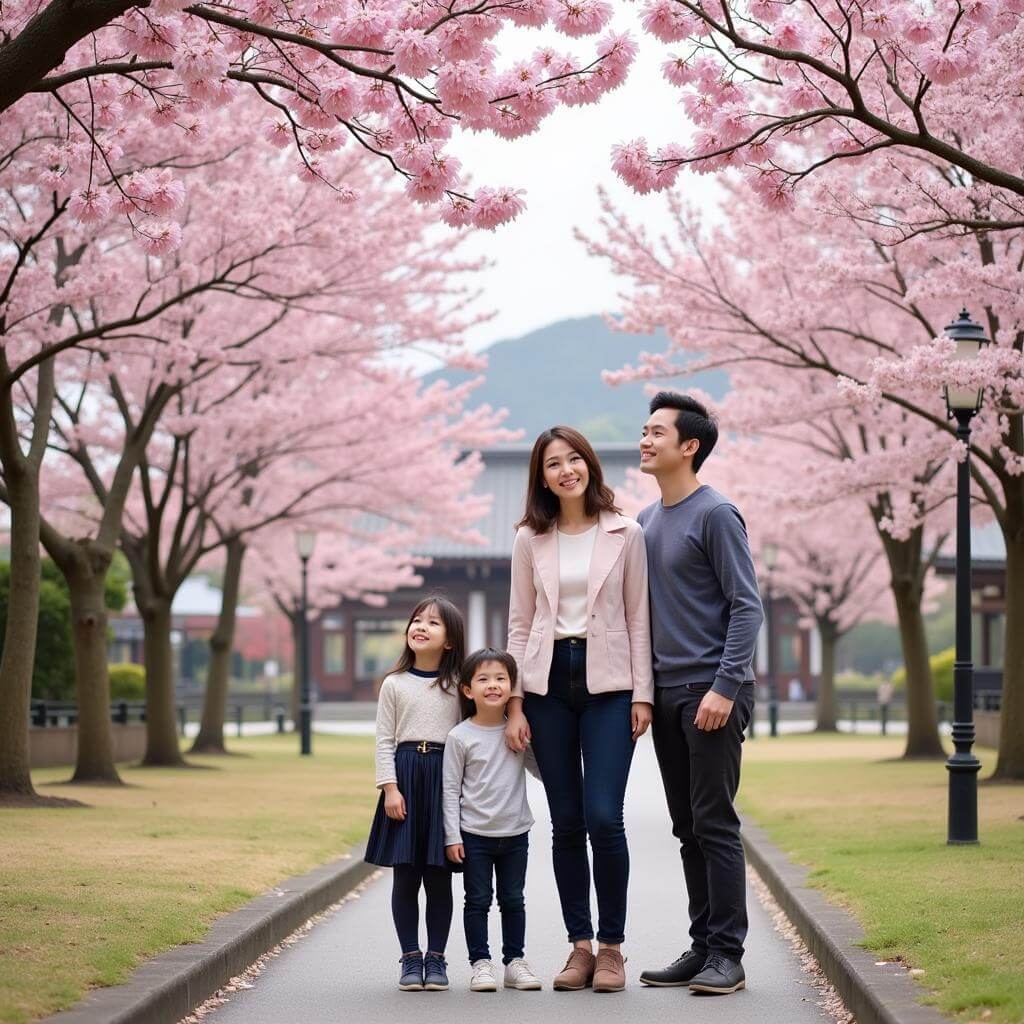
<point x="873" y="830"/>
<point x="87" y="893"/>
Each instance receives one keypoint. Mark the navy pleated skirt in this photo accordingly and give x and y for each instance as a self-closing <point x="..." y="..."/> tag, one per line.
<point x="419" y="839"/>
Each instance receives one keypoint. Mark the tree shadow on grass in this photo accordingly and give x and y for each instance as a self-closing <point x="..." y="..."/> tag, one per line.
<point x="219" y="753"/>
<point x="38" y="800"/>
<point x="185" y="766"/>
<point x="999" y="780"/>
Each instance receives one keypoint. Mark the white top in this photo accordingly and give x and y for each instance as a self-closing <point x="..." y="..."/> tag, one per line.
<point x="484" y="784"/>
<point x="574" y="552"/>
<point x="415" y="708"/>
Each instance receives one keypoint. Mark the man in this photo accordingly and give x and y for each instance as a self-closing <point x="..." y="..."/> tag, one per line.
<point x="705" y="617"/>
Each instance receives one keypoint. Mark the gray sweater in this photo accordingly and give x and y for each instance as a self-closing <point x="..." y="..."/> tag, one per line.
<point x="484" y="784"/>
<point x="705" y="606"/>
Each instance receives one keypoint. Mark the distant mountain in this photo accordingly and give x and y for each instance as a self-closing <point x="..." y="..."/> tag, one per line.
<point x="553" y="375"/>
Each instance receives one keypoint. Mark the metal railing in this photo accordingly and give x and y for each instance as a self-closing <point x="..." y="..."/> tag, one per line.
<point x="241" y="707"/>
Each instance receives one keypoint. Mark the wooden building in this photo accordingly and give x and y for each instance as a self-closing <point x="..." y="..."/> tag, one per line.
<point x="988" y="601"/>
<point x="353" y="645"/>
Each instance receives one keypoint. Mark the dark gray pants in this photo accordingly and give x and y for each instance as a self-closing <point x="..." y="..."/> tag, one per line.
<point x="701" y="773"/>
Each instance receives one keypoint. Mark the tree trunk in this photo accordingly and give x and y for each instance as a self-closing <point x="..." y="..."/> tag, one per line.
<point x="906" y="576"/>
<point x="211" y="729"/>
<point x="827" y="716"/>
<point x="86" y="572"/>
<point x="20" y="636"/>
<point x="42" y="44"/>
<point x="162" y="746"/>
<point x="1010" y="761"/>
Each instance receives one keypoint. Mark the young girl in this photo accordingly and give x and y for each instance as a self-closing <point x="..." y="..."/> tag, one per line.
<point x="487" y="819"/>
<point x="417" y="706"/>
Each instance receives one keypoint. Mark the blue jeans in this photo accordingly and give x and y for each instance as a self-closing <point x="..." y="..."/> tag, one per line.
<point x="500" y="858"/>
<point x="583" y="743"/>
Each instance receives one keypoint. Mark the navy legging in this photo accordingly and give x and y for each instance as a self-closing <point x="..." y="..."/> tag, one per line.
<point x="405" y="906"/>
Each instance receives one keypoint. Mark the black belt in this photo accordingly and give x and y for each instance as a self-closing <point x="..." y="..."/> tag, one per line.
<point x="422" y="746"/>
<point x="573" y="641"/>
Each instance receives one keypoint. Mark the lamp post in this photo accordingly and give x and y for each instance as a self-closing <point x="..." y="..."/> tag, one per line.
<point x="962" y="403"/>
<point x="770" y="558"/>
<point x="305" y="541"/>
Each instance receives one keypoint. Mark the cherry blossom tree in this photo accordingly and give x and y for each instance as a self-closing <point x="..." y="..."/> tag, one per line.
<point x="176" y="318"/>
<point x="234" y="469"/>
<point x="820" y="300"/>
<point x="398" y="78"/>
<point x="780" y="89"/>
<point x="60" y="267"/>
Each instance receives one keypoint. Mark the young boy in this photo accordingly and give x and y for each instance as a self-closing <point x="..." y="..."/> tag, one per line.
<point x="487" y="819"/>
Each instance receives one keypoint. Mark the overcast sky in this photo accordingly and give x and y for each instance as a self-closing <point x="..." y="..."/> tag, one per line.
<point x="541" y="273"/>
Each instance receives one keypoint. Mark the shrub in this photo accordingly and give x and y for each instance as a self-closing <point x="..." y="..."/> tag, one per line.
<point x="127" y="682"/>
<point x="942" y="674"/>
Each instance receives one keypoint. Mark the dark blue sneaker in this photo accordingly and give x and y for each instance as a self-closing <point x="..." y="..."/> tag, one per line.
<point x="435" y="973"/>
<point x="412" y="972"/>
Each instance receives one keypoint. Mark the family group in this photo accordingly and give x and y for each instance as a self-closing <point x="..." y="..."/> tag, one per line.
<point x="615" y="625"/>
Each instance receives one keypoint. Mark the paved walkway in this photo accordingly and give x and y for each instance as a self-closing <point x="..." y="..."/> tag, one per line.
<point x="345" y="969"/>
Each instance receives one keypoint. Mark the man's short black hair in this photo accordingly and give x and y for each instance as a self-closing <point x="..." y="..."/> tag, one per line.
<point x="693" y="422"/>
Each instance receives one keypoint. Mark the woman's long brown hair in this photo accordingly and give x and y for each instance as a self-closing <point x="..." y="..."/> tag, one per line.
<point x="541" y="505"/>
<point x="451" y="659"/>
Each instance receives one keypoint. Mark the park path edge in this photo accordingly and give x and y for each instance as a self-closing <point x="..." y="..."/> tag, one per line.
<point x="874" y="993"/>
<point x="169" y="986"/>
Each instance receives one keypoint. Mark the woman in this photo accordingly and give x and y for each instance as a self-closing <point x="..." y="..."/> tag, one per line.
<point x="580" y="635"/>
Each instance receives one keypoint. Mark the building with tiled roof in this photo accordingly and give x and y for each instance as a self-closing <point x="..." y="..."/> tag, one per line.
<point x="353" y="645"/>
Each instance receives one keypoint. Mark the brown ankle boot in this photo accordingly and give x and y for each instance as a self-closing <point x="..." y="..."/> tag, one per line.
<point x="609" y="971"/>
<point x="578" y="971"/>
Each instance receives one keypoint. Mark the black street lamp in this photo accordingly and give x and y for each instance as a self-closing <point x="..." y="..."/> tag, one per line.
<point x="770" y="558"/>
<point x="305" y="541"/>
<point x="962" y="403"/>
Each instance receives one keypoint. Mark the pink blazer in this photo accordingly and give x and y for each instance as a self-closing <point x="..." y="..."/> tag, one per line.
<point x="619" y="629"/>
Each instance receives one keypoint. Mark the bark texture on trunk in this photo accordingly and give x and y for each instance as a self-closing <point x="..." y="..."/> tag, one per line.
<point x="42" y="44"/>
<point x="162" y="745"/>
<point x="210" y="739"/>
<point x="21" y="486"/>
<point x="86" y="573"/>
<point x="827" y="712"/>
<point x="1010" y="760"/>
<point x="20" y="635"/>
<point x="906" y="574"/>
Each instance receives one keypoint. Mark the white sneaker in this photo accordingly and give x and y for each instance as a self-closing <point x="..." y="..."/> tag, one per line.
<point x="519" y="974"/>
<point x="483" y="979"/>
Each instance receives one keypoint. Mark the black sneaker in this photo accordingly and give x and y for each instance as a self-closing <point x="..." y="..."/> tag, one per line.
<point x="412" y="972"/>
<point x="678" y="973"/>
<point x="435" y="973"/>
<point x="720" y="976"/>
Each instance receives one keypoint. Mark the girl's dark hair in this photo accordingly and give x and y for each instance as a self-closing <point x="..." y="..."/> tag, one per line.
<point x="451" y="657"/>
<point x="693" y="422"/>
<point x="471" y="666"/>
<point x="541" y="505"/>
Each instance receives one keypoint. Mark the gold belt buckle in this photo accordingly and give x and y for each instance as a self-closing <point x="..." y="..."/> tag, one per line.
<point x="422" y="748"/>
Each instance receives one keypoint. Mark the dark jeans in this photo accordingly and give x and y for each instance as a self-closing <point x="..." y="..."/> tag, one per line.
<point x="405" y="906"/>
<point x="701" y="772"/>
<point x="501" y="859"/>
<point x="568" y="723"/>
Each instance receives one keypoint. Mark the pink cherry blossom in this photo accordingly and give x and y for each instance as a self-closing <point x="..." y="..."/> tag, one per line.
<point x="581" y="17"/>
<point x="90" y="205"/>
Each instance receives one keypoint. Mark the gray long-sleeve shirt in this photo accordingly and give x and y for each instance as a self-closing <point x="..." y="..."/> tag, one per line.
<point x="484" y="784"/>
<point x="705" y="606"/>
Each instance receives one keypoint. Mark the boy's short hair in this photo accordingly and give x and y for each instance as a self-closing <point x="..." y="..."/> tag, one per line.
<point x="485" y="654"/>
